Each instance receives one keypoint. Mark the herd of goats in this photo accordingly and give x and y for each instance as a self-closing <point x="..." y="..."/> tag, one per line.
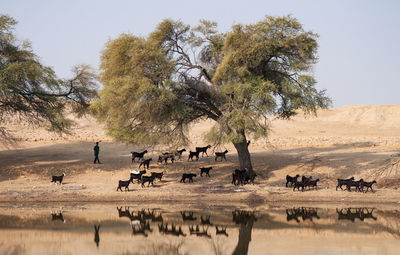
<point x="308" y="182"/>
<point x="238" y="176"/>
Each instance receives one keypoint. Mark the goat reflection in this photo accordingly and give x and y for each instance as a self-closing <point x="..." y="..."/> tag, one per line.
<point x="303" y="212"/>
<point x="57" y="216"/>
<point x="140" y="221"/>
<point x="140" y="228"/>
<point x="163" y="228"/>
<point x="142" y="215"/>
<point x="205" y="220"/>
<point x="188" y="216"/>
<point x="355" y="213"/>
<point x="221" y="230"/>
<point x="196" y="231"/>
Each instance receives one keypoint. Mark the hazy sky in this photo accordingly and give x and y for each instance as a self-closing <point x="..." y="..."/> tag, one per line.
<point x="359" y="41"/>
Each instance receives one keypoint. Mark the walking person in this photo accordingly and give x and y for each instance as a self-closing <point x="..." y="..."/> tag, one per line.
<point x="96" y="153"/>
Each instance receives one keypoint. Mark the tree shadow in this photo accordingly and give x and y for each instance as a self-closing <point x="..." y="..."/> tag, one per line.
<point x="70" y="158"/>
<point x="308" y="160"/>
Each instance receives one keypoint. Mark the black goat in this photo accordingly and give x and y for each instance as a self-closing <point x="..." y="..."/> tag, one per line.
<point x="157" y="175"/>
<point x="187" y="176"/>
<point x="149" y="179"/>
<point x="205" y="170"/>
<point x="124" y="184"/>
<point x="221" y="155"/>
<point x="305" y="179"/>
<point x="356" y="184"/>
<point x="192" y="154"/>
<point x="165" y="156"/>
<point x="368" y="185"/>
<point x="137" y="175"/>
<point x="145" y="163"/>
<point x="56" y="179"/>
<point x="242" y="177"/>
<point x="299" y="185"/>
<point x="249" y="178"/>
<point x="138" y="155"/>
<point x="179" y="153"/>
<point x="203" y="149"/>
<point x="341" y="182"/>
<point x="291" y="180"/>
<point x="239" y="176"/>
<point x="312" y="183"/>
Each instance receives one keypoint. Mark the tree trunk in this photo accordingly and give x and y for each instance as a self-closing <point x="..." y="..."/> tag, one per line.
<point x="244" y="156"/>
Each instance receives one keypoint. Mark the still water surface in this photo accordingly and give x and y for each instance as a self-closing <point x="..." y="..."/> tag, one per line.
<point x="193" y="229"/>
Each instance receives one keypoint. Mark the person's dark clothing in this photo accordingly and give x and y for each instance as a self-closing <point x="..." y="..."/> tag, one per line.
<point x="96" y="154"/>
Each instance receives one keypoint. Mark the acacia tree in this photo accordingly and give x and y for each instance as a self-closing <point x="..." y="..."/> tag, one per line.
<point x="32" y="90"/>
<point x="154" y="87"/>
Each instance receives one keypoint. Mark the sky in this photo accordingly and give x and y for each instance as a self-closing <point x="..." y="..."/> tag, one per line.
<point x="358" y="51"/>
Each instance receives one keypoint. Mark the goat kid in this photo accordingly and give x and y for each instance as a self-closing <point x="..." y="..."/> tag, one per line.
<point x="145" y="163"/>
<point x="157" y="175"/>
<point x="56" y="179"/>
<point x="149" y="179"/>
<point x="187" y="176"/>
<point x="193" y="154"/>
<point x="124" y="184"/>
<point x="138" y="155"/>
<point x="221" y="155"/>
<point x="368" y="185"/>
<point x="205" y="170"/>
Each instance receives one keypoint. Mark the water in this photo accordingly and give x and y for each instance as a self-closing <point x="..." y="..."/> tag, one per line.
<point x="197" y="229"/>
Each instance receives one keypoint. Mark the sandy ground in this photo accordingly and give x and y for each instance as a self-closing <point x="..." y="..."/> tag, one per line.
<point x="359" y="141"/>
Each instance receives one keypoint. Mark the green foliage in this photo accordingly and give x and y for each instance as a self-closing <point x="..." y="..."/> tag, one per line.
<point x="32" y="90"/>
<point x="155" y="87"/>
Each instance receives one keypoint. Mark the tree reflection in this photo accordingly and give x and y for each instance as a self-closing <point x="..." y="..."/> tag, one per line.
<point x="246" y="220"/>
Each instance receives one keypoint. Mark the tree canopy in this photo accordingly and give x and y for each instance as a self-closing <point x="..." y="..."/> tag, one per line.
<point x="154" y="87"/>
<point x="32" y="90"/>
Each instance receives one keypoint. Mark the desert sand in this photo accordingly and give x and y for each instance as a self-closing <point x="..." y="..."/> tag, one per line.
<point x="360" y="141"/>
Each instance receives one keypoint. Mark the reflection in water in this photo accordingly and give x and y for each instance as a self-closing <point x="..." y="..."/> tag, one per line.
<point x="205" y="220"/>
<point x="188" y="216"/>
<point x="173" y="231"/>
<point x="176" y="231"/>
<point x="221" y="230"/>
<point x="355" y="213"/>
<point x="57" y="216"/>
<point x="303" y="212"/>
<point x="246" y="220"/>
<point x="196" y="231"/>
<point x="96" y="235"/>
